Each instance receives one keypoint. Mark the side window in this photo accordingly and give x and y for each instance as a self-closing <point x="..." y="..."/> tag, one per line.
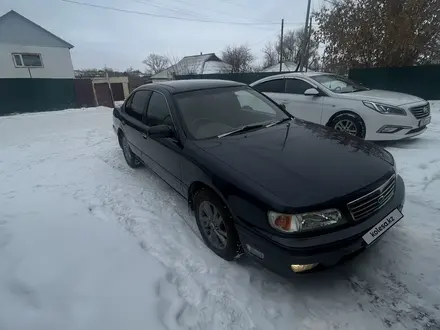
<point x="296" y="86"/>
<point x="271" y="86"/>
<point x="158" y="112"/>
<point x="135" y="106"/>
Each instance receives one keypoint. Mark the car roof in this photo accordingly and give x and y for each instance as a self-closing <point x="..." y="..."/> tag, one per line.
<point x="179" y="86"/>
<point x="288" y="75"/>
<point x="304" y="74"/>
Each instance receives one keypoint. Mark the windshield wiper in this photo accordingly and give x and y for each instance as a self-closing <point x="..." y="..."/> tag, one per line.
<point x="242" y="129"/>
<point x="278" y="122"/>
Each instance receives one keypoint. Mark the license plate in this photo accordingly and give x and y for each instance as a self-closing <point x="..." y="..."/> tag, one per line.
<point x="424" y="121"/>
<point x="386" y="223"/>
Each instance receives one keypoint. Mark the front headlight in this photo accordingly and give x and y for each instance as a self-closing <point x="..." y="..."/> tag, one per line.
<point x="385" y="109"/>
<point x="294" y="223"/>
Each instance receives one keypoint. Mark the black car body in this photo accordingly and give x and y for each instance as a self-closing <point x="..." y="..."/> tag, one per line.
<point x="288" y="167"/>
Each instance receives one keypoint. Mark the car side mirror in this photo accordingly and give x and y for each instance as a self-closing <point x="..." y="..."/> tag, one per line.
<point x="311" y="92"/>
<point x="282" y="106"/>
<point x="161" y="131"/>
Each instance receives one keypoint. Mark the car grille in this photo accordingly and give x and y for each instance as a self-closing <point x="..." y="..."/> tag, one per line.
<point x="421" y="112"/>
<point x="372" y="202"/>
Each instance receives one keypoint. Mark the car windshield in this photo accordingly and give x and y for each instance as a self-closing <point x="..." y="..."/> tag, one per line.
<point x="338" y="84"/>
<point x="216" y="112"/>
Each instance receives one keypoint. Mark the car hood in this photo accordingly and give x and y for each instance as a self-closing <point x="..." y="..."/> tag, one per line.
<point x="303" y="164"/>
<point x="381" y="96"/>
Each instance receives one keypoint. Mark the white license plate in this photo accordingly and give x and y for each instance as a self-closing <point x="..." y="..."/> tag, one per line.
<point x="424" y="121"/>
<point x="386" y="223"/>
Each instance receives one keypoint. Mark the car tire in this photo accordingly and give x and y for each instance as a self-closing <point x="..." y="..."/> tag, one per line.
<point x="216" y="229"/>
<point x="131" y="159"/>
<point x="349" y="123"/>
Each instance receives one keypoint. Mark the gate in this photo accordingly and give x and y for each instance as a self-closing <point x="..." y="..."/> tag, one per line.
<point x="118" y="91"/>
<point x="103" y="95"/>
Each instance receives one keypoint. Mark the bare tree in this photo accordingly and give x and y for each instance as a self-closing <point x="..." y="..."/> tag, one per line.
<point x="156" y="63"/>
<point x="372" y="33"/>
<point x="271" y="56"/>
<point x="239" y="57"/>
<point x="293" y="43"/>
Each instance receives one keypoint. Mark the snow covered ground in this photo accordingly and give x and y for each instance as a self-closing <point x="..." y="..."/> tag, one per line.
<point x="88" y="243"/>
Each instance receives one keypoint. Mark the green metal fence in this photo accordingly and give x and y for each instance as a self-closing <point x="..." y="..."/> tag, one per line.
<point x="245" y="78"/>
<point x="32" y="95"/>
<point x="422" y="81"/>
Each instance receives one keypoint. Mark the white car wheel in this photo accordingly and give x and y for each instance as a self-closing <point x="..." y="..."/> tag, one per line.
<point x="349" y="123"/>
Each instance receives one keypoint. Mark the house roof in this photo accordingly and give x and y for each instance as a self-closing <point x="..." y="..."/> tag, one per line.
<point x="195" y="64"/>
<point x="4" y="19"/>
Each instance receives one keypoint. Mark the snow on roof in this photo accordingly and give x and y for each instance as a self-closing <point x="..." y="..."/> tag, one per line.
<point x="196" y="64"/>
<point x="216" y="67"/>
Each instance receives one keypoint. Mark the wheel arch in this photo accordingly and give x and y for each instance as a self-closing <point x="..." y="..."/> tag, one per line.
<point x="199" y="185"/>
<point x="120" y="135"/>
<point x="344" y="112"/>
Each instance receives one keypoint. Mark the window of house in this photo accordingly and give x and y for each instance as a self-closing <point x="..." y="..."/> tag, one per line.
<point x="297" y="86"/>
<point x="158" y="112"/>
<point x="26" y="60"/>
<point x="17" y="60"/>
<point x="271" y="86"/>
<point x="137" y="103"/>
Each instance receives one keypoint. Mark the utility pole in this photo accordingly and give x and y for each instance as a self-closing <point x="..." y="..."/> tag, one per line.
<point x="303" y="55"/>
<point x="281" y="45"/>
<point x="309" y="41"/>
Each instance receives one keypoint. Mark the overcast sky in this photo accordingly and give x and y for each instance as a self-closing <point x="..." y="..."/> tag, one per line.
<point x="120" y="40"/>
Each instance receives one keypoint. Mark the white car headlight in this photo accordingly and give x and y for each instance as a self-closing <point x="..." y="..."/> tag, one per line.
<point x="385" y="109"/>
<point x="294" y="223"/>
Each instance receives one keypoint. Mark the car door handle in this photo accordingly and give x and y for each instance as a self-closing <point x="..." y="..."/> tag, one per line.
<point x="144" y="136"/>
<point x="122" y="122"/>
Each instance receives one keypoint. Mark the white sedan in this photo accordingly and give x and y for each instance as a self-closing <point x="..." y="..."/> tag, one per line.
<point x="338" y="102"/>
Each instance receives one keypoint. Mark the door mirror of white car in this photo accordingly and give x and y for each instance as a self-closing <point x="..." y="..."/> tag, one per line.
<point x="311" y="92"/>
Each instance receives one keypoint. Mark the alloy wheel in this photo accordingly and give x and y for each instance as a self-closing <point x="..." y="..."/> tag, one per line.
<point x="347" y="126"/>
<point x="213" y="225"/>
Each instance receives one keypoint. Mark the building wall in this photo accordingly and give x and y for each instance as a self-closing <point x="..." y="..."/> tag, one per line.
<point x="57" y="62"/>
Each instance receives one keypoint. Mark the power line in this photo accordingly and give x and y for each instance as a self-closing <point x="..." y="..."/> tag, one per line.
<point x="177" y="10"/>
<point x="262" y="40"/>
<point x="198" y="6"/>
<point x="166" y="16"/>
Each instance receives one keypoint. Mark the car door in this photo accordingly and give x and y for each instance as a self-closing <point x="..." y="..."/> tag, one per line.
<point x="162" y="155"/>
<point x="274" y="89"/>
<point x="132" y="118"/>
<point x="306" y="107"/>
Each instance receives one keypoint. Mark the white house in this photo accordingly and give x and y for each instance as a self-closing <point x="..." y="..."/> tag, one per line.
<point x="29" y="51"/>
<point x="192" y="65"/>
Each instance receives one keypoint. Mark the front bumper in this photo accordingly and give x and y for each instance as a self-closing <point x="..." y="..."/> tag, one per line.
<point x="409" y="126"/>
<point x="278" y="254"/>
